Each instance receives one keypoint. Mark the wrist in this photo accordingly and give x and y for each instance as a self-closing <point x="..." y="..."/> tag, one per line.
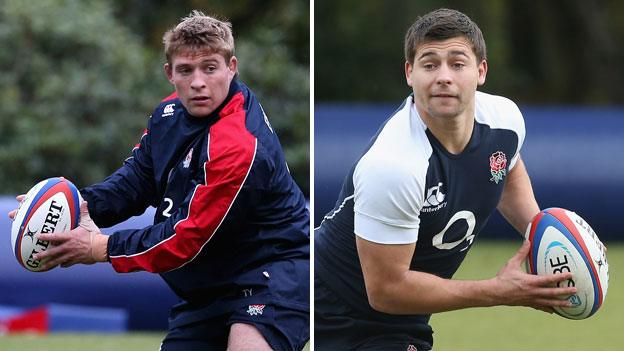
<point x="491" y="292"/>
<point x="100" y="247"/>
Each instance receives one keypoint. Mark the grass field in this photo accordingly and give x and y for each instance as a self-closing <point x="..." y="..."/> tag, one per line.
<point x="84" y="342"/>
<point x="522" y="329"/>
<point x="76" y="342"/>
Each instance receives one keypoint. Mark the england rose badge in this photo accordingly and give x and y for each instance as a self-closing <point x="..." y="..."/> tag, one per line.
<point x="498" y="166"/>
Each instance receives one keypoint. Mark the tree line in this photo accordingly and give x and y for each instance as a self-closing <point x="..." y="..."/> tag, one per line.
<point x="539" y="52"/>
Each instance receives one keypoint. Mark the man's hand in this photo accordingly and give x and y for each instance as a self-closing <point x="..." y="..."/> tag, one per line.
<point x="85" y="244"/>
<point x="19" y="199"/>
<point x="514" y="287"/>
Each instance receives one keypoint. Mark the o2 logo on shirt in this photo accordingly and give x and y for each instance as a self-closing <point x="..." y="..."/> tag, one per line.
<point x="469" y="217"/>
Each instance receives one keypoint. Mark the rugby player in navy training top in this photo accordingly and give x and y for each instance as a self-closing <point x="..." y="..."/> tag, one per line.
<point x="231" y="230"/>
<point x="414" y="202"/>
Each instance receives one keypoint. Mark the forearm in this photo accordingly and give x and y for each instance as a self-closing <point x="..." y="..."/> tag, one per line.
<point x="517" y="204"/>
<point x="424" y="293"/>
<point x="132" y="250"/>
<point x="392" y="287"/>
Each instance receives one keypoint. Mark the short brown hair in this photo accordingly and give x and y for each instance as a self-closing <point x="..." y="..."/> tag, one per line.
<point x="443" y="24"/>
<point x="199" y="32"/>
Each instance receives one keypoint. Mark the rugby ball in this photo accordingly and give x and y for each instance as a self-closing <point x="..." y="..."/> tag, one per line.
<point x="51" y="206"/>
<point x="561" y="241"/>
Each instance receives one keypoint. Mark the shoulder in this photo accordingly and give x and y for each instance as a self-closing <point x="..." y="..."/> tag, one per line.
<point x="390" y="177"/>
<point x="256" y="119"/>
<point x="501" y="113"/>
<point x="381" y="178"/>
<point x="168" y="107"/>
<point x="254" y="122"/>
<point x="241" y="108"/>
<point x="389" y="170"/>
<point x="399" y="150"/>
<point x="229" y="136"/>
<point x="498" y="112"/>
<point x="402" y="135"/>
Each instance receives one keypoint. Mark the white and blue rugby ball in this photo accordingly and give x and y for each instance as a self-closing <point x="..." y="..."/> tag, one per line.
<point x="51" y="206"/>
<point x="561" y="241"/>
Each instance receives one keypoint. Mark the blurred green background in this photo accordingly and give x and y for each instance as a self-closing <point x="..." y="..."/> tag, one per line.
<point x="78" y="80"/>
<point x="539" y="52"/>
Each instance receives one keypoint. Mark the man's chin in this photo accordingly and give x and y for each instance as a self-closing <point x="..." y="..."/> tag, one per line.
<point x="200" y="112"/>
<point x="444" y="112"/>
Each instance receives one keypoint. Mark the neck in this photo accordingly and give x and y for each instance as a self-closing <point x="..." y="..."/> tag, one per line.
<point x="453" y="133"/>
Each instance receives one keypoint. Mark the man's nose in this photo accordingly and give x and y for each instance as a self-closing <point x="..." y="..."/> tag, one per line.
<point x="444" y="75"/>
<point x="197" y="81"/>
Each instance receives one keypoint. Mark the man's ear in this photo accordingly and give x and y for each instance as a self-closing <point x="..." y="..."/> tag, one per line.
<point x="482" y="68"/>
<point x="408" y="73"/>
<point x="168" y="72"/>
<point x="233" y="65"/>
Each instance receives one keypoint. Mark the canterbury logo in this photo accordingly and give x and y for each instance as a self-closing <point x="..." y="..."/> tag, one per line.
<point x="168" y="110"/>
<point x="434" y="199"/>
<point x="435" y="196"/>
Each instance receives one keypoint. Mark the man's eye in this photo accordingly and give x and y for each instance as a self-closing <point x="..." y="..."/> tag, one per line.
<point x="458" y="65"/>
<point x="429" y="66"/>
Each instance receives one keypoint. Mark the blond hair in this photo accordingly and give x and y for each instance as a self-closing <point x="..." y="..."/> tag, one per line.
<point x="199" y="32"/>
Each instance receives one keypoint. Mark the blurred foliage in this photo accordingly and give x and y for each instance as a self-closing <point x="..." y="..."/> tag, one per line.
<point x="79" y="79"/>
<point x="75" y="92"/>
<point x="539" y="52"/>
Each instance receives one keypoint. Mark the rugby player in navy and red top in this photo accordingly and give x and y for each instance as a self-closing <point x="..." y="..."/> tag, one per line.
<point x="231" y="230"/>
<point x="413" y="204"/>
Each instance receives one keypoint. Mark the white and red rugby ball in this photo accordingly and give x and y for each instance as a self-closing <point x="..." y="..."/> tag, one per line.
<point x="561" y="241"/>
<point x="51" y="206"/>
